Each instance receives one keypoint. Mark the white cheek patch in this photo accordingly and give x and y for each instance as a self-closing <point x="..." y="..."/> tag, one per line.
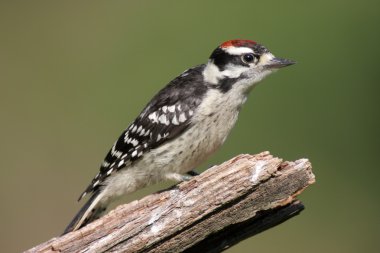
<point x="238" y="50"/>
<point x="212" y="74"/>
<point x="234" y="71"/>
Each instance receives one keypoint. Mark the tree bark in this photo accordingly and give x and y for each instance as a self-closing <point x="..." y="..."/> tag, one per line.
<point x="213" y="211"/>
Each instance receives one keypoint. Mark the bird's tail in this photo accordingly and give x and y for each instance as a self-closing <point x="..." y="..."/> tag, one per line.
<point x="92" y="210"/>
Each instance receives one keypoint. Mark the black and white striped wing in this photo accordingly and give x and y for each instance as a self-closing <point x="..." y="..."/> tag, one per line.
<point x="167" y="116"/>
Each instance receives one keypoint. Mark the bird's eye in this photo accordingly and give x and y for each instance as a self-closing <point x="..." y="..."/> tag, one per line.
<point x="248" y="58"/>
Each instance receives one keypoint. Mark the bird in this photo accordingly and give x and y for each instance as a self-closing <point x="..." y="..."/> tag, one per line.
<point x="181" y="127"/>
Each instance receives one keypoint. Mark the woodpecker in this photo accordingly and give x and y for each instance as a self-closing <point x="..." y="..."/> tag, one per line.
<point x="183" y="124"/>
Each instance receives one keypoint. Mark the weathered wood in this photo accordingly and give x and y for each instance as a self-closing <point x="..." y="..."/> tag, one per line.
<point x="224" y="205"/>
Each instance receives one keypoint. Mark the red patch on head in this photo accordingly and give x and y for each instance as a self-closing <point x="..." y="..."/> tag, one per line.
<point x="238" y="43"/>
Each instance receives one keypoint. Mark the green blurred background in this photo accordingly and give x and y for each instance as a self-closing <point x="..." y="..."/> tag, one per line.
<point x="74" y="74"/>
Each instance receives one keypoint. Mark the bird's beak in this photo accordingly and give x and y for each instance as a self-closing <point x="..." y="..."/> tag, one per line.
<point x="276" y="63"/>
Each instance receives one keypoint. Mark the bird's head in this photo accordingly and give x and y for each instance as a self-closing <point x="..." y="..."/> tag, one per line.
<point x="241" y="61"/>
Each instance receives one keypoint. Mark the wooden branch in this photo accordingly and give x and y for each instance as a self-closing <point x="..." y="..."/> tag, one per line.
<point x="213" y="211"/>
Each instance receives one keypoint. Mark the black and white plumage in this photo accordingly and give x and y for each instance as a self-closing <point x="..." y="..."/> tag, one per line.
<point x="182" y="125"/>
<point x="165" y="117"/>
